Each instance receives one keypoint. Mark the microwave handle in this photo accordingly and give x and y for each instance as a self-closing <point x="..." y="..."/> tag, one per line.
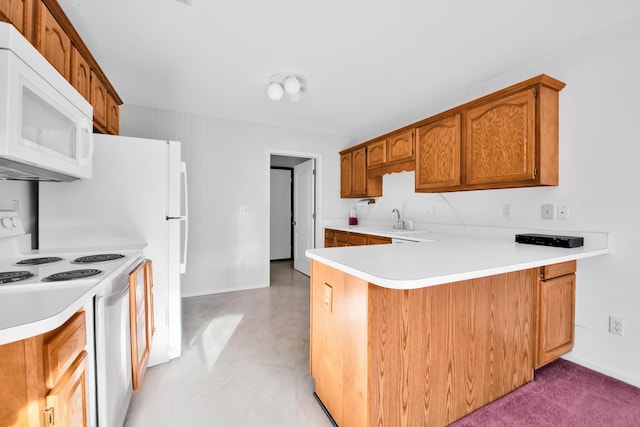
<point x="86" y="142"/>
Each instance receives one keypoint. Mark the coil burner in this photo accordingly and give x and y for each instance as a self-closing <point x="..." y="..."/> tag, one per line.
<point x="39" y="261"/>
<point x="97" y="258"/>
<point x="71" y="275"/>
<point x="14" y="276"/>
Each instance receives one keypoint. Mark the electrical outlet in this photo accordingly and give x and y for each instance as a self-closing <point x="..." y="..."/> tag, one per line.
<point x="328" y="297"/>
<point x="507" y="211"/>
<point x="616" y="326"/>
<point x="547" y="211"/>
<point x="563" y="211"/>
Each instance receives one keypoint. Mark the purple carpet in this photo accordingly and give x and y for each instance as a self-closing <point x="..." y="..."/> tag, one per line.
<point x="563" y="394"/>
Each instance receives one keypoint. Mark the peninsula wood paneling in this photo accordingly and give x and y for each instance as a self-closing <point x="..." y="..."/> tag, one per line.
<point x="440" y="352"/>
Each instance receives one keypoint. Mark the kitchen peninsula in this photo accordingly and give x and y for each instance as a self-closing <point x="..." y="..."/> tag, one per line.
<point x="424" y="333"/>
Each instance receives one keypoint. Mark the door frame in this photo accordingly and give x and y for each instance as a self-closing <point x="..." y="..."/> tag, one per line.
<point x="318" y="196"/>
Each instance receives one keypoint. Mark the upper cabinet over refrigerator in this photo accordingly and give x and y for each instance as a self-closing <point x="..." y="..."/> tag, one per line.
<point x="45" y="124"/>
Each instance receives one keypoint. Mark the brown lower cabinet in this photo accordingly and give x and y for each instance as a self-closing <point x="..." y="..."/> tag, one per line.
<point x="335" y="238"/>
<point x="428" y="356"/>
<point x="555" y="313"/>
<point x="43" y="378"/>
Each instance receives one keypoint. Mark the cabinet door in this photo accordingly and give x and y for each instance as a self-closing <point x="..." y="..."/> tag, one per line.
<point x="113" y="118"/>
<point x="80" y="74"/>
<point x="99" y="100"/>
<point x="359" y="172"/>
<point x="357" y="239"/>
<point x="346" y="161"/>
<point x="400" y="147"/>
<point x="329" y="238"/>
<point x="438" y="154"/>
<point x="500" y="140"/>
<point x="54" y="43"/>
<point x="378" y="240"/>
<point x="377" y="153"/>
<point x="556" y="318"/>
<point x="342" y="238"/>
<point x="67" y="402"/>
<point x="141" y="315"/>
<point x="20" y="13"/>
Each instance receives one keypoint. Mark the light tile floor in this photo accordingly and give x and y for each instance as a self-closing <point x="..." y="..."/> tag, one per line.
<point x="245" y="362"/>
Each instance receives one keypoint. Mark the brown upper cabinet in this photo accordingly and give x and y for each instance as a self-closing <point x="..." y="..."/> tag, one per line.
<point x="391" y="150"/>
<point x="54" y="43"/>
<point x="438" y="154"/>
<point x="506" y="139"/>
<point x="100" y="102"/>
<point x="21" y="14"/>
<point x="354" y="179"/>
<point x="45" y="25"/>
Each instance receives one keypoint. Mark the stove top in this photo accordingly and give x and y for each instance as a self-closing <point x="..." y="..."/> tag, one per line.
<point x="28" y="268"/>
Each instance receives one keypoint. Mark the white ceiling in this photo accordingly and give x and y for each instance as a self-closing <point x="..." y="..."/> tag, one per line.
<point x="371" y="66"/>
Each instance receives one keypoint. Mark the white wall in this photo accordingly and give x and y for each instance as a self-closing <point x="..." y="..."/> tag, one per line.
<point x="24" y="193"/>
<point x="599" y="179"/>
<point x="228" y="169"/>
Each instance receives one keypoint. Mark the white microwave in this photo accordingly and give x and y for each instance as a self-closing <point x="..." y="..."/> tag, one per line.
<point x="46" y="131"/>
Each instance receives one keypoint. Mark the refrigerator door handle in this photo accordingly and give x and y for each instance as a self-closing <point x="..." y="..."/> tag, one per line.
<point x="185" y="191"/>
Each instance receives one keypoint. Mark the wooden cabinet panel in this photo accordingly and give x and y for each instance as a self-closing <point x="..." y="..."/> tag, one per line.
<point x="141" y="315"/>
<point x="378" y="240"/>
<point x="342" y="238"/>
<point x="99" y="100"/>
<point x="346" y="161"/>
<point x="500" y="140"/>
<point x="557" y="270"/>
<point x="67" y="401"/>
<point x="338" y="343"/>
<point x="21" y="14"/>
<point x="357" y="239"/>
<point x="555" y="318"/>
<point x="329" y="238"/>
<point x="54" y="43"/>
<point x="359" y="172"/>
<point x="377" y="153"/>
<point x="113" y="117"/>
<point x="80" y="74"/>
<point x="62" y="346"/>
<point x="438" y="154"/>
<point x="400" y="147"/>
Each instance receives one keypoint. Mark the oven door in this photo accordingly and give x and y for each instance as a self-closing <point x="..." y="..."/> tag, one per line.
<point x="113" y="353"/>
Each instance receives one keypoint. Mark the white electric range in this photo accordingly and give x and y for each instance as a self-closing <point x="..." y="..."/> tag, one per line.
<point x="41" y="289"/>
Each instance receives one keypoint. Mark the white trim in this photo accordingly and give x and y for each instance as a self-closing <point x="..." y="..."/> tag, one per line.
<point x="318" y="179"/>
<point x="602" y="370"/>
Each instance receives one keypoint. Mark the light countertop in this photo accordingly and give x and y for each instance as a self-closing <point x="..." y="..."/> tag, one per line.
<point x="442" y="257"/>
<point x="31" y="311"/>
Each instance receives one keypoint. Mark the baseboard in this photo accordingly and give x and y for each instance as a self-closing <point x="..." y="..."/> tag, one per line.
<point x="223" y="290"/>
<point x="604" y="371"/>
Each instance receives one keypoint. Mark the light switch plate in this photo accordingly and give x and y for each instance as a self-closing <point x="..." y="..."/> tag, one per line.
<point x="547" y="211"/>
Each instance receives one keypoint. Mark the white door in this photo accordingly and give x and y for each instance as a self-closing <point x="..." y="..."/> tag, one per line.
<point x="304" y="196"/>
<point x="280" y="234"/>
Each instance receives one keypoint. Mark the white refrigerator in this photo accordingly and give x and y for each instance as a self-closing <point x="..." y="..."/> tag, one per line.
<point x="138" y="195"/>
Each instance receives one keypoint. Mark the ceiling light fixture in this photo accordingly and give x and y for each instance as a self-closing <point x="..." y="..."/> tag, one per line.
<point x="291" y="84"/>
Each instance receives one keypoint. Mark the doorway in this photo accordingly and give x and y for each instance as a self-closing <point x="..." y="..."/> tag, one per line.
<point x="293" y="206"/>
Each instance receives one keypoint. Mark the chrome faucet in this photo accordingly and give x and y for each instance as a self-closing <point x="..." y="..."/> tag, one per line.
<point x="395" y="213"/>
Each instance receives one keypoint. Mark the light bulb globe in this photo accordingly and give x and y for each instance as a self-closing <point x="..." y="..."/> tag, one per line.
<point x="275" y="91"/>
<point x="292" y="85"/>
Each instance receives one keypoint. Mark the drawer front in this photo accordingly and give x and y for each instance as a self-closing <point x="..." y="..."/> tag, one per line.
<point x="62" y="346"/>
<point x="557" y="270"/>
<point x="378" y="240"/>
<point x="356" y="239"/>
